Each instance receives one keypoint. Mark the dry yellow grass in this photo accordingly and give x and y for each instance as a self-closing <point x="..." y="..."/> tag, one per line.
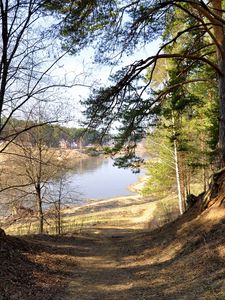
<point x="183" y="260"/>
<point x="131" y="212"/>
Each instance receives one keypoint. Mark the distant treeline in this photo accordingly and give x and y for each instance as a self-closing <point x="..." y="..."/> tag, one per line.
<point x="53" y="135"/>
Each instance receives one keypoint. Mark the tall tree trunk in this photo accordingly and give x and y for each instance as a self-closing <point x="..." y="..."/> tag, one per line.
<point x="178" y="168"/>
<point x="221" y="144"/>
<point x="218" y="28"/>
<point x="59" y="218"/>
<point x="40" y="209"/>
<point x="180" y="199"/>
<point x="183" y="181"/>
<point x="204" y="178"/>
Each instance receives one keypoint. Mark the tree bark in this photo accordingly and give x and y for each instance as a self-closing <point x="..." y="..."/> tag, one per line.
<point x="221" y="142"/>
<point x="180" y="200"/>
<point x="59" y="219"/>
<point x="40" y="209"/>
<point x="218" y="28"/>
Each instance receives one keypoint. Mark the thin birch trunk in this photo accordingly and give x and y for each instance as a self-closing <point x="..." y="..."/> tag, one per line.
<point x="177" y="168"/>
<point x="180" y="201"/>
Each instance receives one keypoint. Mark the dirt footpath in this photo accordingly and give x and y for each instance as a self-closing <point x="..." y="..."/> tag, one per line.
<point x="102" y="273"/>
<point x="184" y="260"/>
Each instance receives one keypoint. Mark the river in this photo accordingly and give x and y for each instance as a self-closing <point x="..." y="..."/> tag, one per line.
<point x="97" y="178"/>
<point x="94" y="178"/>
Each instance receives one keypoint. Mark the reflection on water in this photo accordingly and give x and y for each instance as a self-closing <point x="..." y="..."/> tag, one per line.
<point x="97" y="178"/>
<point x="94" y="178"/>
<point x="89" y="165"/>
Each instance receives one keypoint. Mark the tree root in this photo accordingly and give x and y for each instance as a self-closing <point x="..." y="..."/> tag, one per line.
<point x="2" y="233"/>
<point x="216" y="190"/>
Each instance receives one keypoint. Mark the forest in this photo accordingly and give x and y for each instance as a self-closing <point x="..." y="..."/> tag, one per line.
<point x="175" y="97"/>
<point x="52" y="134"/>
<point x="172" y="98"/>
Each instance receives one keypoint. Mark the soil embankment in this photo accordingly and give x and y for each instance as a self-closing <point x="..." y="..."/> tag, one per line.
<point x="127" y="212"/>
<point x="182" y="260"/>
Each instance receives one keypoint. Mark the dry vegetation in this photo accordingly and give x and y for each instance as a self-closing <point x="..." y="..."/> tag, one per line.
<point x="181" y="260"/>
<point x="131" y="212"/>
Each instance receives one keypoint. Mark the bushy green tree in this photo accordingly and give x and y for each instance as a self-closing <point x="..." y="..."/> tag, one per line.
<point x="121" y="27"/>
<point x="189" y="117"/>
<point x="160" y="167"/>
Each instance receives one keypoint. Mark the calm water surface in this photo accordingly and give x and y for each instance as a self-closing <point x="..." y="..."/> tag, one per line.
<point x="97" y="178"/>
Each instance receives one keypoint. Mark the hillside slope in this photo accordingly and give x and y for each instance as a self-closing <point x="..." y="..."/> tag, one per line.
<point x="182" y="260"/>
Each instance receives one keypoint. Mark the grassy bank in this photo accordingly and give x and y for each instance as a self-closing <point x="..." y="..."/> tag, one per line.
<point x="131" y="212"/>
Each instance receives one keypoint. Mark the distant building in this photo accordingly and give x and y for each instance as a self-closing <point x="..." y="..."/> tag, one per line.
<point x="63" y="144"/>
<point x="73" y="145"/>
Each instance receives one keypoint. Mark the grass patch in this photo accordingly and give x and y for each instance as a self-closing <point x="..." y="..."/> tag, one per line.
<point x="127" y="212"/>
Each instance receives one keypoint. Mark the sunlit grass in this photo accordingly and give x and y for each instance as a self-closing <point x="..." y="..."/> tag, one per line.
<point x="127" y="212"/>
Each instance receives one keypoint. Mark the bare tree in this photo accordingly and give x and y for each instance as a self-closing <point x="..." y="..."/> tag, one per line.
<point x="35" y="163"/>
<point x="59" y="197"/>
<point x="29" y="55"/>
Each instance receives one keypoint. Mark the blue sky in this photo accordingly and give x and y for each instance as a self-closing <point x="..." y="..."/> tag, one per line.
<point x="82" y="71"/>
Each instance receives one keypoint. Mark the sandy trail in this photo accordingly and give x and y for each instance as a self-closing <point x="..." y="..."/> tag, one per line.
<point x="102" y="273"/>
<point x="183" y="260"/>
